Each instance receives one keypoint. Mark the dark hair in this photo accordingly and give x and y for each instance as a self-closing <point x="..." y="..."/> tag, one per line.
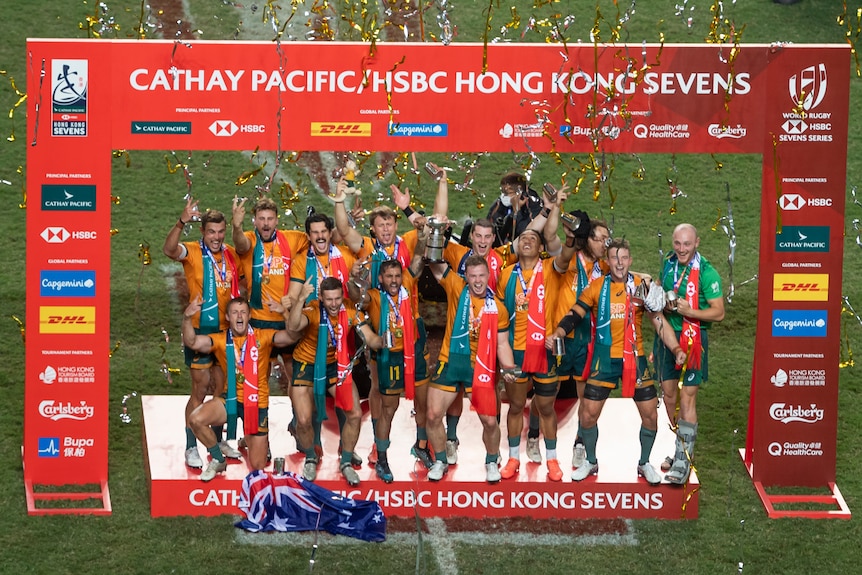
<point x="331" y="283"/>
<point x="484" y="223"/>
<point x="317" y="217"/>
<point x="619" y="244"/>
<point x="211" y="217"/>
<point x="386" y="264"/>
<point x="514" y="179"/>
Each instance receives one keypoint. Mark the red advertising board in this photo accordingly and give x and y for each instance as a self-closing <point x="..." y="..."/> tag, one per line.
<point x="788" y="103"/>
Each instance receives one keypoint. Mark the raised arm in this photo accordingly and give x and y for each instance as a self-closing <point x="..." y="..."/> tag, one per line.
<point x="296" y="321"/>
<point x="172" y="248"/>
<point x="348" y="234"/>
<point x="191" y="340"/>
<point x="241" y="243"/>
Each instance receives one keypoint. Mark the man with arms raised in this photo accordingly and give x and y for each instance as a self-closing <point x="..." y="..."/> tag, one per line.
<point x="243" y="354"/>
<point x="618" y="356"/>
<point x="699" y="303"/>
<point x="212" y="277"/>
<point x="476" y="340"/>
<point x="384" y="244"/>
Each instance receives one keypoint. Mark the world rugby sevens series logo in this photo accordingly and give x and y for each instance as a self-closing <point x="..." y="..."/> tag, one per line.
<point x="808" y="87"/>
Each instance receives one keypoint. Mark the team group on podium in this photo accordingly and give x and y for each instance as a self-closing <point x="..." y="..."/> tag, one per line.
<point x="526" y="310"/>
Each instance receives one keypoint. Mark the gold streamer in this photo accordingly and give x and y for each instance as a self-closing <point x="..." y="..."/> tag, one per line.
<point x="852" y="33"/>
<point x="22" y="97"/>
<point x="776" y="165"/>
<point x="20" y="172"/>
<point x="20" y="328"/>
<point x="123" y="154"/>
<point x="144" y="253"/>
<point x="114" y="350"/>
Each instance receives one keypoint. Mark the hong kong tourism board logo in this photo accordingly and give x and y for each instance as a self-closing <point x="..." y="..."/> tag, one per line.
<point x="69" y="80"/>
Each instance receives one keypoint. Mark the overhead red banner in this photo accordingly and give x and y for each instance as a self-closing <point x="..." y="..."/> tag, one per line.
<point x="788" y="103"/>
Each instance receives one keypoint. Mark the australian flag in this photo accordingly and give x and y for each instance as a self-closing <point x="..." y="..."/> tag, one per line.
<point x="290" y="503"/>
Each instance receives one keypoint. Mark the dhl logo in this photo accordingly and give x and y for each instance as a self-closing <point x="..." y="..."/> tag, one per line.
<point x="67" y="319"/>
<point x="340" y="129"/>
<point x="800" y="287"/>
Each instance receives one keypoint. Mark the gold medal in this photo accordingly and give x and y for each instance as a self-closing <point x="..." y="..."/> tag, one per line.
<point x="240" y="378"/>
<point x="398" y="332"/>
<point x="266" y="279"/>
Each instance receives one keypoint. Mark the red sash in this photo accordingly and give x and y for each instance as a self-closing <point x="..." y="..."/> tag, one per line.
<point x="630" y="362"/>
<point x="495" y="266"/>
<point x="284" y="247"/>
<point x="405" y="310"/>
<point x="343" y="392"/>
<point x="690" y="339"/>
<point x="250" y="389"/>
<point x="535" y="355"/>
<point x="234" y="276"/>
<point x="484" y="396"/>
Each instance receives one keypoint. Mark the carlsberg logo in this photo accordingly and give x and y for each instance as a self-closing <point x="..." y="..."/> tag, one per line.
<point x="787" y="414"/>
<point x="55" y="410"/>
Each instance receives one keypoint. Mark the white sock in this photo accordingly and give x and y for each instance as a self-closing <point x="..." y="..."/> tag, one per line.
<point x="515" y="452"/>
<point x="550" y="453"/>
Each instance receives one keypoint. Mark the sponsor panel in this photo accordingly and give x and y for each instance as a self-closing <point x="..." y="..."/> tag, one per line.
<point x="161" y="128"/>
<point x="67" y="319"/>
<point x="790" y="413"/>
<point x="800" y="287"/>
<point x="351" y="129"/>
<point x="60" y="235"/>
<point x="799" y="323"/>
<point x="60" y="410"/>
<point x="802" y="239"/>
<point x="69" y="83"/>
<point x="68" y="198"/>
<point x="806" y="122"/>
<point x="67" y="283"/>
<point x="418" y="130"/>
<point x="795" y="449"/>
<point x="61" y="373"/>
<point x="799" y="378"/>
<point x="48" y="447"/>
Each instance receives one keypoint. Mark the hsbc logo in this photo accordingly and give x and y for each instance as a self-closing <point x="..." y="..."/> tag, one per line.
<point x="223" y="128"/>
<point x="808" y="87"/>
<point x="794" y="126"/>
<point x="794" y="202"/>
<point x="55" y="235"/>
<point x="59" y="234"/>
<point x="537" y="336"/>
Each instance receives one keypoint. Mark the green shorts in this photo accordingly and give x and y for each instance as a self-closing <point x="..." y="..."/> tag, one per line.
<point x="544" y="384"/>
<point x="262" y="417"/>
<point x="610" y="375"/>
<point x="441" y="380"/>
<point x="572" y="364"/>
<point x="665" y="362"/>
<point x="303" y="374"/>
<point x="396" y="374"/>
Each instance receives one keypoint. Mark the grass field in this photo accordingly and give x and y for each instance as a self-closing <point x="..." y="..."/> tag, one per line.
<point x="732" y="529"/>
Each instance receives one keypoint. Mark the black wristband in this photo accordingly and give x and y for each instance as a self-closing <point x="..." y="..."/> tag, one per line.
<point x="181" y="221"/>
<point x="408" y="211"/>
<point x="546" y="212"/>
<point x="569" y="322"/>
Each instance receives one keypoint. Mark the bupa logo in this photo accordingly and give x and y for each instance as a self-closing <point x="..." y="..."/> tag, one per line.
<point x="808" y="87"/>
<point x="340" y="129"/>
<point x="223" y="128"/>
<point x="49" y="447"/>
